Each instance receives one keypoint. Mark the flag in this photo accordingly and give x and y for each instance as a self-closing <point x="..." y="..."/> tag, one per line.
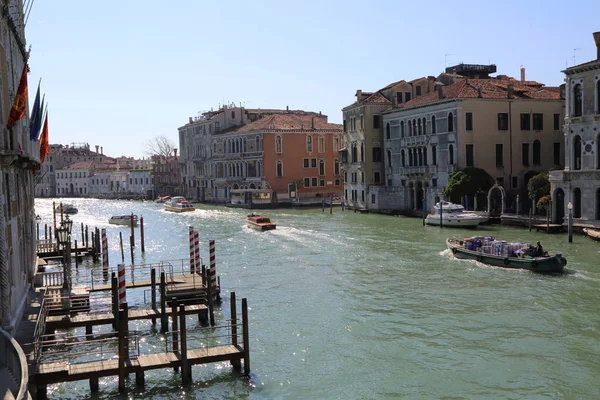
<point x="18" y="109"/>
<point x="36" y="117"/>
<point x="44" y="147"/>
<point x="42" y="111"/>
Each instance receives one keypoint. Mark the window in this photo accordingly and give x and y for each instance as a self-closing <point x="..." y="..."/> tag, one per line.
<point x="387" y="131"/>
<point x="418" y="90"/>
<point x="577" y="101"/>
<point x="577" y="153"/>
<point x="362" y="151"/>
<point x="336" y="143"/>
<point x="424" y="126"/>
<point x="525" y="153"/>
<point x="372" y="199"/>
<point x="556" y="155"/>
<point x="499" y="155"/>
<point x="433" y="127"/>
<point x="375" y="121"/>
<point x="502" y="121"/>
<point x="233" y="114"/>
<point x="401" y="128"/>
<point x="407" y="96"/>
<point x="556" y="122"/>
<point x="279" y="169"/>
<point x="306" y="182"/>
<point x="525" y="122"/>
<point x="278" y="145"/>
<point x="313" y="162"/>
<point x="376" y="154"/>
<point x="322" y="182"/>
<point x="321" y="144"/>
<point x="314" y="181"/>
<point x="322" y="167"/>
<point x="402" y="158"/>
<point x="515" y="182"/>
<point x="469" y="121"/>
<point x="336" y="167"/>
<point x="537" y="152"/>
<point x="433" y="155"/>
<point x="376" y="177"/>
<point x="419" y="126"/>
<point x="598" y="97"/>
<point x="309" y="144"/>
<point x="450" y="122"/>
<point x="336" y="182"/>
<point x="389" y="158"/>
<point x="434" y="182"/>
<point x="451" y="154"/>
<point x="362" y="122"/>
<point x="399" y="97"/>
<point x="538" y="122"/>
<point x="469" y="155"/>
<point x="305" y="162"/>
<point x="345" y="126"/>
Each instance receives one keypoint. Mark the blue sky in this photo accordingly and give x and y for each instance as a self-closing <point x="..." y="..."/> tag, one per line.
<point x="118" y="73"/>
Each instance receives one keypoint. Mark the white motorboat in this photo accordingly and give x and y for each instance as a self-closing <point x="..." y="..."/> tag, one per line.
<point x="452" y="215"/>
<point x="179" y="204"/>
<point x="123" y="220"/>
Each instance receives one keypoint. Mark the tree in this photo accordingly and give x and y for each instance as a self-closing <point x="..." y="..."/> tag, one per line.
<point x="160" y="146"/>
<point x="470" y="181"/>
<point x="538" y="186"/>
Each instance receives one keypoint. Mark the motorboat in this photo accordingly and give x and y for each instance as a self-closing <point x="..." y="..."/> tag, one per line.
<point x="123" y="220"/>
<point x="593" y="234"/>
<point x="498" y="253"/>
<point x="162" y="199"/>
<point x="69" y="209"/>
<point x="260" y="222"/>
<point x="179" y="204"/>
<point x="453" y="215"/>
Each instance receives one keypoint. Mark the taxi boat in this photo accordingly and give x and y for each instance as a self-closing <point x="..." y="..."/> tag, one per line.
<point x="260" y="222"/>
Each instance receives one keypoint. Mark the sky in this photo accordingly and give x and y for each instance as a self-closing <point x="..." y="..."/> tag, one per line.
<point x="119" y="73"/>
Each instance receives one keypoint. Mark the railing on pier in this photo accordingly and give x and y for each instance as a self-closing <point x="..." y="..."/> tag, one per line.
<point x="13" y="358"/>
<point x="46" y="246"/>
<point x="49" y="278"/>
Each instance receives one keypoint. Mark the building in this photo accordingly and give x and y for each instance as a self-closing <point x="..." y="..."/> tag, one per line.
<point x="579" y="182"/>
<point x="140" y="181"/>
<point x="73" y="179"/>
<point x="293" y="153"/>
<point x="510" y="128"/>
<point x="361" y="155"/>
<point x="167" y="176"/>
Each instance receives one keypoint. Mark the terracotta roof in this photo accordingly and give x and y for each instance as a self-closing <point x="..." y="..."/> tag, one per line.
<point x="585" y="64"/>
<point x="290" y="122"/>
<point x="487" y="89"/>
<point x="376" y="98"/>
<point x="80" y="165"/>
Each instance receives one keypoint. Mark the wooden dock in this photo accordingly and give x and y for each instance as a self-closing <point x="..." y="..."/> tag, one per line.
<point x="549" y="228"/>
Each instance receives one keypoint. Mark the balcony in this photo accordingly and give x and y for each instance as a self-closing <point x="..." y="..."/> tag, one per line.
<point x="556" y="176"/>
<point x="14" y="374"/>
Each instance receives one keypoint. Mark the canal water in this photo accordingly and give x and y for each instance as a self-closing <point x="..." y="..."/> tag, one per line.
<point x="364" y="306"/>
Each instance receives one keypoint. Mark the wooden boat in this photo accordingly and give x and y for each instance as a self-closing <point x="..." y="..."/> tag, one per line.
<point x="592" y="233"/>
<point x="179" y="204"/>
<point x="162" y="199"/>
<point x="260" y="222"/>
<point x="453" y="215"/>
<point x="506" y="255"/>
<point x="123" y="220"/>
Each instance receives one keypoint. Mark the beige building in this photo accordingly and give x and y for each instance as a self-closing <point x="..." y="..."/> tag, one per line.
<point x="362" y="154"/>
<point x="579" y="182"/>
<point x="510" y="128"/>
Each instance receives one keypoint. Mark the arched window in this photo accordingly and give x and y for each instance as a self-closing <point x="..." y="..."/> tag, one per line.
<point x="233" y="114"/>
<point x="279" y="168"/>
<point x="424" y="126"/>
<point x="410" y="158"/>
<point x="451" y="155"/>
<point x="450" y="122"/>
<point x="424" y="155"/>
<point x="433" y="127"/>
<point x="576" y="163"/>
<point x="419" y="126"/>
<point x="401" y="128"/>
<point x="577" y="101"/>
<point x="278" y="145"/>
<point x="537" y="152"/>
<point x="309" y="143"/>
<point x="414" y="122"/>
<point x="336" y="167"/>
<point x="598" y="97"/>
<point x="403" y="160"/>
<point x="387" y="130"/>
<point x="420" y="152"/>
<point x="362" y="151"/>
<point x="257" y="140"/>
<point x="389" y="157"/>
<point x="433" y="155"/>
<point x="322" y="167"/>
<point x="409" y="127"/>
<point x="321" y="144"/>
<point x="598" y="203"/>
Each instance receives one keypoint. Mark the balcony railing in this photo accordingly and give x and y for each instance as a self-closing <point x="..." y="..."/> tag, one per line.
<point x="13" y="367"/>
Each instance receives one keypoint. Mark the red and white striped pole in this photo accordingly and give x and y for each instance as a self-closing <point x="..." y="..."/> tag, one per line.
<point x="191" y="238"/>
<point x="213" y="271"/>
<point x="122" y="287"/>
<point x="104" y="253"/>
<point x="197" y="262"/>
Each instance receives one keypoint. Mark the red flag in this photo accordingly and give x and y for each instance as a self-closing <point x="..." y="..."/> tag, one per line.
<point x="18" y="109"/>
<point x="44" y="147"/>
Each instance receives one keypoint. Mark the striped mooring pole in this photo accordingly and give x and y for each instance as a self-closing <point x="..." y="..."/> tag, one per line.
<point x="104" y="253"/>
<point x="122" y="286"/>
<point x="197" y="262"/>
<point x="191" y="238"/>
<point x="213" y="271"/>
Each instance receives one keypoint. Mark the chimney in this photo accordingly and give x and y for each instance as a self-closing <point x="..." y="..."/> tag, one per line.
<point x="358" y="95"/>
<point x="522" y="74"/>
<point x="175" y="152"/>
<point x="597" y="40"/>
<point x="511" y="91"/>
<point x="441" y="94"/>
<point x="479" y="95"/>
<point x="191" y="120"/>
<point x="97" y="148"/>
<point x="287" y="108"/>
<point x="313" y="122"/>
<point x="102" y="150"/>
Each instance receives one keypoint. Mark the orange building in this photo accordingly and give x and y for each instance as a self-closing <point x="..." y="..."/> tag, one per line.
<point x="295" y="154"/>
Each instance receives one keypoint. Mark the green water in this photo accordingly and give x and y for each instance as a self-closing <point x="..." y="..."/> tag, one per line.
<point x="363" y="306"/>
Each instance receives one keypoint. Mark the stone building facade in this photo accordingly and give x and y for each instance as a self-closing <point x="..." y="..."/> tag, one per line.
<point x="579" y="182"/>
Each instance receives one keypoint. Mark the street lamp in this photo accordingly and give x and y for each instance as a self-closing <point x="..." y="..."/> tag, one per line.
<point x="570" y="222"/>
<point x="62" y="235"/>
<point x="68" y="224"/>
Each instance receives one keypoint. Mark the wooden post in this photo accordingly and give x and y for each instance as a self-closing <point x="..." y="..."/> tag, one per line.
<point x="121" y="244"/>
<point x="246" y="338"/>
<point x="234" y="339"/>
<point x="94" y="386"/>
<point x="37" y="227"/>
<point x="76" y="255"/>
<point x="140" y="380"/>
<point x="186" y="371"/>
<point x="131" y="245"/>
<point x="153" y="294"/>
<point x="142" y="233"/>
<point x="46" y="231"/>
<point x="132" y="232"/>
<point x="50" y="233"/>
<point x="423" y="213"/>
<point x="331" y="204"/>
<point x="174" y="327"/>
<point x="114" y="286"/>
<point x="87" y="242"/>
<point x="441" y="203"/>
<point x="211" y="311"/>
<point x="164" y="319"/>
<point x="203" y="275"/>
<point x="82" y="234"/>
<point x="54" y="213"/>
<point x="548" y="218"/>
<point x="61" y="213"/>
<point x="323" y="204"/>
<point x="530" y="218"/>
<point x="122" y="348"/>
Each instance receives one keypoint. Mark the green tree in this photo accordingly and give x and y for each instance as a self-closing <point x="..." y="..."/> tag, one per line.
<point x="538" y="186"/>
<point x="470" y="181"/>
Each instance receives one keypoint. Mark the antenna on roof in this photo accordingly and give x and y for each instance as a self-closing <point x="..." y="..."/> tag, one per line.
<point x="575" y="55"/>
<point x="446" y="60"/>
